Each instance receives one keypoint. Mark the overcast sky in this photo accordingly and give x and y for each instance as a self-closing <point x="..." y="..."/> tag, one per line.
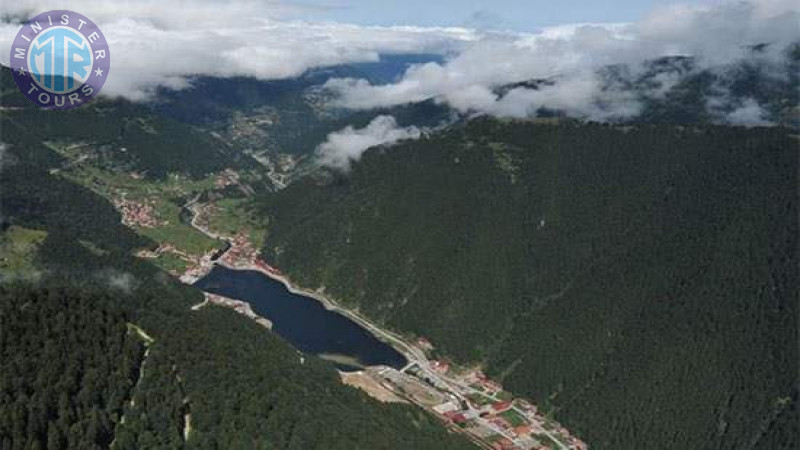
<point x="519" y="15"/>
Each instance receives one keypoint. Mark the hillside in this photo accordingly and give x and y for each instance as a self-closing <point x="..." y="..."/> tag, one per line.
<point x="638" y="281"/>
<point x="74" y="376"/>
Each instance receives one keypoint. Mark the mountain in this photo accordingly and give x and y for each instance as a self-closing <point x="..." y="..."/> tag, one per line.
<point x="126" y="135"/>
<point x="102" y="349"/>
<point x="290" y="116"/>
<point x="683" y="90"/>
<point x="638" y="281"/>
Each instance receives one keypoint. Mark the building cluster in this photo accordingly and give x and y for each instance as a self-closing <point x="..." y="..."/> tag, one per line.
<point x="227" y="177"/>
<point x="479" y="379"/>
<point x="199" y="268"/>
<point x="242" y="252"/>
<point x="508" y="424"/>
<point x="137" y="214"/>
<point x="492" y="416"/>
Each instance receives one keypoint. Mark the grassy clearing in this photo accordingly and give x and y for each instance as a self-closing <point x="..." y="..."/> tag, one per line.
<point x="18" y="247"/>
<point x="479" y="400"/>
<point x="170" y="262"/>
<point x="514" y="418"/>
<point x="505" y="396"/>
<point x="235" y="215"/>
<point x="182" y="236"/>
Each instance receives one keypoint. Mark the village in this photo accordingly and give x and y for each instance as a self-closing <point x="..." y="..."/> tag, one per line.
<point x="137" y="214"/>
<point x="480" y="407"/>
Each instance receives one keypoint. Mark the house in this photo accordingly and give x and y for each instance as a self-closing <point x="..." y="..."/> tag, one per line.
<point x="502" y="443"/>
<point x="440" y="366"/>
<point x="424" y="343"/>
<point x="523" y="430"/>
<point x="491" y="386"/>
<point x="500" y="422"/>
<point x="455" y="416"/>
<point x="501" y="406"/>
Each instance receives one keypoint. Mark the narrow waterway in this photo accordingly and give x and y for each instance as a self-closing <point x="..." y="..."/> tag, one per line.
<point x="303" y="321"/>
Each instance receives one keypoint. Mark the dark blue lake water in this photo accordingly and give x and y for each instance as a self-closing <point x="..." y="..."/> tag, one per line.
<point x="301" y="320"/>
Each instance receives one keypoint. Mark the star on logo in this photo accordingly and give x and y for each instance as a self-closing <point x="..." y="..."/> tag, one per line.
<point x="21" y="71"/>
<point x="98" y="72"/>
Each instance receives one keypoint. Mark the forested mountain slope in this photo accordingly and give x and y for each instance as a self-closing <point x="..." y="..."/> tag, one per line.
<point x="69" y="364"/>
<point x="640" y="281"/>
<point x="76" y="375"/>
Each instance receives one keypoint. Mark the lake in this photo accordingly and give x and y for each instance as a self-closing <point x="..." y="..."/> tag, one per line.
<point x="303" y="321"/>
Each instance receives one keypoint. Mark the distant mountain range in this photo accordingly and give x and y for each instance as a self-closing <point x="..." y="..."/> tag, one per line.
<point x="679" y="90"/>
<point x="246" y="117"/>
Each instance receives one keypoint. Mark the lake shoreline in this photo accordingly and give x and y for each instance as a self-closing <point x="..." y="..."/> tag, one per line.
<point x="385" y="336"/>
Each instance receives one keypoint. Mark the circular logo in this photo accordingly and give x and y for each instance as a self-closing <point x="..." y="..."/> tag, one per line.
<point x="60" y="59"/>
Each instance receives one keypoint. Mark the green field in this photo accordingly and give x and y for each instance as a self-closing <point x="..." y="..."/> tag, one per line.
<point x="479" y="399"/>
<point x="18" y="248"/>
<point x="235" y="215"/>
<point x="505" y="396"/>
<point x="514" y="418"/>
<point x="182" y="236"/>
<point x="171" y="262"/>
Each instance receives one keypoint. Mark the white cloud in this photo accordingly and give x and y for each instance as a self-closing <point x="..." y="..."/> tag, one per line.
<point x="5" y="159"/>
<point x="749" y="113"/>
<point x="715" y="35"/>
<point x="162" y="43"/>
<point x="115" y="279"/>
<point x="348" y="144"/>
<point x="165" y="43"/>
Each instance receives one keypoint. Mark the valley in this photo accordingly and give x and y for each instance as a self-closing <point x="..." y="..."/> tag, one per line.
<point x="200" y="358"/>
<point x="219" y="220"/>
<point x="401" y="250"/>
<point x="199" y="224"/>
<point x="462" y="397"/>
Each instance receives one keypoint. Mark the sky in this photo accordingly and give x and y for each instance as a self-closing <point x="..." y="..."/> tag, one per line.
<point x="486" y="44"/>
<point x="519" y="15"/>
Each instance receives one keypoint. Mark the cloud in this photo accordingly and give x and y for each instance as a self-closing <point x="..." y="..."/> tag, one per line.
<point x="165" y="43"/>
<point x="714" y="35"/>
<point x="484" y="19"/>
<point x="31" y="276"/>
<point x="115" y="279"/>
<point x="6" y="158"/>
<point x="348" y="144"/>
<point x="749" y="113"/>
